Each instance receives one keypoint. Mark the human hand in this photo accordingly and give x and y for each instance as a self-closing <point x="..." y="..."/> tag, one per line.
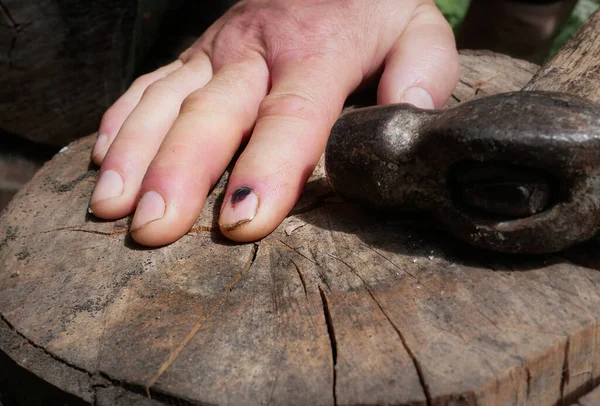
<point x="274" y="73"/>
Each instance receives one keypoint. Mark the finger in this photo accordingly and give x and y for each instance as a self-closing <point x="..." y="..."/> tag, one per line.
<point x="290" y="134"/>
<point x="197" y="150"/>
<point x="116" y="115"/>
<point x="422" y="68"/>
<point x="140" y="137"/>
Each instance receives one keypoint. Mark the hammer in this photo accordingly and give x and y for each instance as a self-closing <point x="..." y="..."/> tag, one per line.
<point x="516" y="172"/>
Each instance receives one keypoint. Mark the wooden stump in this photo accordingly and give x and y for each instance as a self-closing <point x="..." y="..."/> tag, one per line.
<point x="64" y="62"/>
<point x="337" y="306"/>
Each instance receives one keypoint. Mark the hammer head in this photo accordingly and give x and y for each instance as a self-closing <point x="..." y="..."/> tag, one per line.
<point x="514" y="172"/>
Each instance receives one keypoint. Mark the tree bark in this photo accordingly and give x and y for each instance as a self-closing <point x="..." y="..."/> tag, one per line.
<point x="63" y="62"/>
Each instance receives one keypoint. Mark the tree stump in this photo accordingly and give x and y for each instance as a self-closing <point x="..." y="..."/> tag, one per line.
<point x="338" y="306"/>
<point x="64" y="62"/>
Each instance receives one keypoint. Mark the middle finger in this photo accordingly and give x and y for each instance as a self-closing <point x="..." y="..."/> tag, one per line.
<point x="198" y="148"/>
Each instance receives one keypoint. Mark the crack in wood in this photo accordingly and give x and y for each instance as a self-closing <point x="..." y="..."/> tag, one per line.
<point x="332" y="340"/>
<point x="413" y="358"/>
<point x="464" y="82"/>
<point x="528" y="382"/>
<point x="140" y="390"/>
<point x="11" y="20"/>
<point x="311" y="260"/>
<point x="78" y="230"/>
<point x="45" y="351"/>
<point x="97" y="379"/>
<point x="564" y="381"/>
<point x="16" y="28"/>
<point x="481" y="83"/>
<point x="298" y="252"/>
<point x="202" y="229"/>
<point x="197" y="229"/>
<point x="221" y="298"/>
<point x="300" y="276"/>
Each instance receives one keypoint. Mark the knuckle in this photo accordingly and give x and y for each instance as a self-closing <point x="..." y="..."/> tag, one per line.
<point x="200" y="102"/>
<point x="241" y="35"/>
<point x="160" y="89"/>
<point x="279" y="34"/>
<point x="110" y="117"/>
<point x="443" y="62"/>
<point x="290" y="106"/>
<point x="196" y="51"/>
<point x="188" y="54"/>
<point x="143" y="81"/>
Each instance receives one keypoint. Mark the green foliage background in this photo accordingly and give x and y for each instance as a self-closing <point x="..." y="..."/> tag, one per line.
<point x="454" y="11"/>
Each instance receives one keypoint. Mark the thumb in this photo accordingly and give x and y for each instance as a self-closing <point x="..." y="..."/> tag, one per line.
<point x="422" y="67"/>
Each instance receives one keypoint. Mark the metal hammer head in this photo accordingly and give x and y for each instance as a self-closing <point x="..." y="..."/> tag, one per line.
<point x="514" y="172"/>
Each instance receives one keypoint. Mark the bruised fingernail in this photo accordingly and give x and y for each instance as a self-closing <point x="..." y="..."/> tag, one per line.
<point x="109" y="185"/>
<point x="151" y="207"/>
<point x="418" y="97"/>
<point x="100" y="142"/>
<point x="239" y="209"/>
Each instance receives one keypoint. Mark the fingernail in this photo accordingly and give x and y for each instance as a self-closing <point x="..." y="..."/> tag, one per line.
<point x="151" y="207"/>
<point x="418" y="97"/>
<point x="100" y="141"/>
<point x="110" y="184"/>
<point x="240" y="209"/>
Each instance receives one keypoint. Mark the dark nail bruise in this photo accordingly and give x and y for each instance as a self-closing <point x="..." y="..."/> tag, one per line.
<point x="240" y="194"/>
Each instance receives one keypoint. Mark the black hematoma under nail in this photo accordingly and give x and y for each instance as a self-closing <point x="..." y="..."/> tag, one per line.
<point x="501" y="189"/>
<point x="240" y="194"/>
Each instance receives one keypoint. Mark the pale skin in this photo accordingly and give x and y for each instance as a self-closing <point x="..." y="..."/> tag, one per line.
<point x="274" y="74"/>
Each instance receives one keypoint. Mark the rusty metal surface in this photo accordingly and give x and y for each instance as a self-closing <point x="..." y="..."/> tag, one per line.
<point x="515" y="172"/>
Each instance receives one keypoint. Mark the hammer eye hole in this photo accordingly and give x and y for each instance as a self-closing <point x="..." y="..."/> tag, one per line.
<point x="501" y="189"/>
